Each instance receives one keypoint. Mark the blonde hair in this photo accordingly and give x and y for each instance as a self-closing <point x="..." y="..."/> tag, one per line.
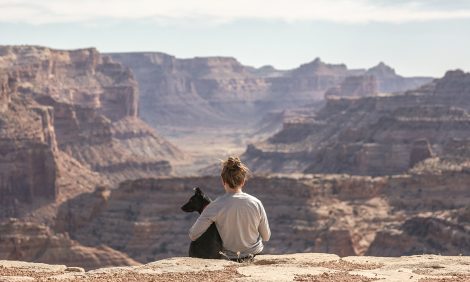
<point x="234" y="172"/>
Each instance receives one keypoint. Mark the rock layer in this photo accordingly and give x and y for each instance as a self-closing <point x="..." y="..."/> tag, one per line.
<point x="373" y="135"/>
<point x="36" y="243"/>
<point x="338" y="214"/>
<point x="390" y="82"/>
<point x="28" y="152"/>
<point x="220" y="91"/>
<point x="355" y="86"/>
<point x="94" y="104"/>
<point x="293" y="267"/>
<point x="78" y="77"/>
<point x="68" y="123"/>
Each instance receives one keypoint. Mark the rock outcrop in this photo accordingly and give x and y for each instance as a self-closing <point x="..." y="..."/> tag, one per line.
<point x="28" y="151"/>
<point x="422" y="235"/>
<point x="390" y="82"/>
<point x="68" y="123"/>
<point x="124" y="149"/>
<point x="6" y="83"/>
<point x="355" y="86"/>
<point x="381" y="135"/>
<point x="33" y="242"/>
<point x="292" y="267"/>
<point x="77" y="77"/>
<point x="94" y="104"/>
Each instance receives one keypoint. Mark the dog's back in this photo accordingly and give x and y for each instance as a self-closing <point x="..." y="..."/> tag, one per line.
<point x="209" y="244"/>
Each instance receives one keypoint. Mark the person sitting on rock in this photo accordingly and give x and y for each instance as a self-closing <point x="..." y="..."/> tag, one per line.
<point x="240" y="218"/>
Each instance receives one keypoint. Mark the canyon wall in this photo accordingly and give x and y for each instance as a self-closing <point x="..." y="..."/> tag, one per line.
<point x="80" y="77"/>
<point x="390" y="82"/>
<point x="221" y="92"/>
<point x="78" y="164"/>
<point x="34" y="242"/>
<point x="355" y="86"/>
<point x="380" y="135"/>
<point x="94" y="102"/>
<point x="68" y="124"/>
<point x="28" y="150"/>
<point x="340" y="214"/>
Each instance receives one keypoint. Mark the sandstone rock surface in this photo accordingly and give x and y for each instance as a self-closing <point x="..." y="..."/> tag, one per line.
<point x="293" y="267"/>
<point x="37" y="243"/>
<point x="93" y="108"/>
<point x="28" y="151"/>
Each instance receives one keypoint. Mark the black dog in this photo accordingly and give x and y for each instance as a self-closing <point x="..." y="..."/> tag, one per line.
<point x="209" y="245"/>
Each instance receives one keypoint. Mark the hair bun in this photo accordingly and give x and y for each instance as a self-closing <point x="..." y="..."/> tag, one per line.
<point x="234" y="172"/>
<point x="233" y="163"/>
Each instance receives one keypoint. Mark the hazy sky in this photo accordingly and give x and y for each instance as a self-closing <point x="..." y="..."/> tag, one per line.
<point x="416" y="37"/>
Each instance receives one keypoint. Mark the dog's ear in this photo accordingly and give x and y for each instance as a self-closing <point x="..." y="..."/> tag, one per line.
<point x="197" y="190"/>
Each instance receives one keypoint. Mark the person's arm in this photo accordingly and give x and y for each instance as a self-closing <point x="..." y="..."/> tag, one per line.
<point x="205" y="220"/>
<point x="263" y="227"/>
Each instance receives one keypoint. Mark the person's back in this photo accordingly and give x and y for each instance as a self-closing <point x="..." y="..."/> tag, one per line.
<point x="239" y="217"/>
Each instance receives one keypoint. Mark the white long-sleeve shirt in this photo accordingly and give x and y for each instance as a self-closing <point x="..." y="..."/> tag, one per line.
<point x="241" y="221"/>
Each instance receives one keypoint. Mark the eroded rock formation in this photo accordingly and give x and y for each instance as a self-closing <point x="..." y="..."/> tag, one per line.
<point x="94" y="102"/>
<point x="68" y="123"/>
<point x="373" y="135"/>
<point x="355" y="86"/>
<point x="390" y="82"/>
<point x="78" y="77"/>
<point x="338" y="214"/>
<point x="28" y="151"/>
<point x="220" y="91"/>
<point x="37" y="243"/>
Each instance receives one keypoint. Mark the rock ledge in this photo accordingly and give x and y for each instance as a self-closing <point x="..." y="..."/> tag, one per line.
<point x="291" y="267"/>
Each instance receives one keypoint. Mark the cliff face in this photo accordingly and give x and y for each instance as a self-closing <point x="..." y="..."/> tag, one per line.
<point x="78" y="77"/>
<point x="194" y="92"/>
<point x="422" y="235"/>
<point x="219" y="91"/>
<point x="5" y="91"/>
<point x="390" y="82"/>
<point x="68" y="123"/>
<point x="124" y="149"/>
<point x="94" y="101"/>
<point x="27" y="151"/>
<point x="355" y="86"/>
<point x="340" y="214"/>
<point x="37" y="243"/>
<point x="373" y="135"/>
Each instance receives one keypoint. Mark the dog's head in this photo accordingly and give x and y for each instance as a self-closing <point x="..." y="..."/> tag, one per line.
<point x="197" y="202"/>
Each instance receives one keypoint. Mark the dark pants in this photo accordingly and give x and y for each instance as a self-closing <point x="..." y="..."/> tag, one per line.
<point x="249" y="258"/>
